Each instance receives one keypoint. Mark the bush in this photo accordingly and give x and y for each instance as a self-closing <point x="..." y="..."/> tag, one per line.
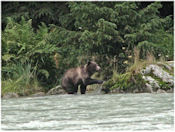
<point x="21" y="45"/>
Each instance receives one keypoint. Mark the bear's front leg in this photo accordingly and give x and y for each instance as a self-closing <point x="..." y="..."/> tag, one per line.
<point x="83" y="89"/>
<point x="75" y="89"/>
<point x="90" y="81"/>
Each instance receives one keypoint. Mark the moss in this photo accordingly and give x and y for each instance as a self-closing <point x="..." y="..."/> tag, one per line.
<point x="163" y="85"/>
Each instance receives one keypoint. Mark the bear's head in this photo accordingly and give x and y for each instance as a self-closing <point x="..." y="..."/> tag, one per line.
<point x="92" y="67"/>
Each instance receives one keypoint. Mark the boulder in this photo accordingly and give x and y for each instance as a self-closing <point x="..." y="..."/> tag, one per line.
<point x="155" y="76"/>
<point x="56" y="90"/>
<point x="152" y="83"/>
<point x="159" y="72"/>
<point x="10" y="95"/>
<point x="161" y="91"/>
<point x="166" y="65"/>
<point x="171" y="63"/>
<point x="148" y="88"/>
<point x="170" y="90"/>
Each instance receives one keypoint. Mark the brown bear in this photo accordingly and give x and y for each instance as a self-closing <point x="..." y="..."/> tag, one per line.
<point x="80" y="76"/>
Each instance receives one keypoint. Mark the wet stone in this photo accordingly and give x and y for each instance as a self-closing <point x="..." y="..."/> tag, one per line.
<point x="56" y="90"/>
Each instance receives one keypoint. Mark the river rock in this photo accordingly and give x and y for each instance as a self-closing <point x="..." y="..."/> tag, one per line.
<point x="38" y="94"/>
<point x="161" y="91"/>
<point x="10" y="95"/>
<point x="166" y="65"/>
<point x="159" y="72"/>
<point x="153" y="84"/>
<point x="136" y="90"/>
<point x="148" y="88"/>
<point x="171" y="63"/>
<point x="57" y="90"/>
<point x="170" y="90"/>
<point x="116" y="90"/>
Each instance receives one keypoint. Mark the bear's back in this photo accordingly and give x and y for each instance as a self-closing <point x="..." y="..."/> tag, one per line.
<point x="75" y="75"/>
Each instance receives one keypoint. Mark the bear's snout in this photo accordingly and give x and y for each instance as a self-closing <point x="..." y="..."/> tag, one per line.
<point x="98" y="68"/>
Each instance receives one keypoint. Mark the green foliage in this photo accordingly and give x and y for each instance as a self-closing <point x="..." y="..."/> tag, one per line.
<point x="21" y="44"/>
<point x="165" y="86"/>
<point x="126" y="82"/>
<point x="24" y="80"/>
<point x="108" y="84"/>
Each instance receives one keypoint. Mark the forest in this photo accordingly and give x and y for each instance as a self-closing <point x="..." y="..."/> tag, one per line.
<point x="41" y="40"/>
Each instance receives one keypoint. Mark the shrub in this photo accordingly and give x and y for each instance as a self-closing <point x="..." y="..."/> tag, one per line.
<point x="22" y="45"/>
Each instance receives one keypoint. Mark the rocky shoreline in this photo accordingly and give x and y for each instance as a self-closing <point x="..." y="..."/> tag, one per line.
<point x="157" y="78"/>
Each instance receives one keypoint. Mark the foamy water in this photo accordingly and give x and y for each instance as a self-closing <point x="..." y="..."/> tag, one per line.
<point x="89" y="112"/>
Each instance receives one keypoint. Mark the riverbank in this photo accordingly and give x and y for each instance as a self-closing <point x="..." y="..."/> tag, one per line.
<point x="142" y="77"/>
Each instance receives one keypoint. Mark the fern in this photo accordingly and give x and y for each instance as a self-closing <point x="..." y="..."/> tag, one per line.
<point x="23" y="45"/>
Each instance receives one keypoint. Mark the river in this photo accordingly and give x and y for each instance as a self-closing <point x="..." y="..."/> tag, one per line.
<point x="89" y="112"/>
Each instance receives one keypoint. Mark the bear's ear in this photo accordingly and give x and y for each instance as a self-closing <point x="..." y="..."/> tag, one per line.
<point x="89" y="62"/>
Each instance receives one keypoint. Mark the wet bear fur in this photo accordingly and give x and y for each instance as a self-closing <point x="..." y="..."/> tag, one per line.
<point x="80" y="76"/>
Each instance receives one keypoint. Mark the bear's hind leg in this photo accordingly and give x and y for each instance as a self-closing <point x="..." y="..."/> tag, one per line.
<point x="72" y="89"/>
<point x="75" y="89"/>
<point x="83" y="89"/>
<point x="69" y="88"/>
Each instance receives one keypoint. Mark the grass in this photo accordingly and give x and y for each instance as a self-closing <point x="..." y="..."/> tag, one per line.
<point x="23" y="82"/>
<point x="18" y="86"/>
<point x="140" y="64"/>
